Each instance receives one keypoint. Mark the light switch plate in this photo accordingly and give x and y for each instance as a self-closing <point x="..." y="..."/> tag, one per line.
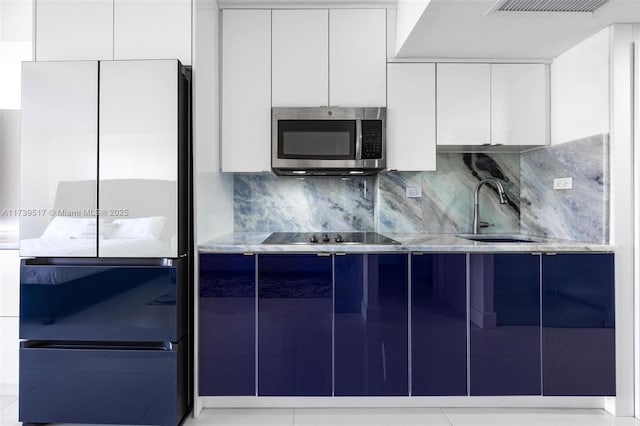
<point x="563" y="183"/>
<point x="413" y="192"/>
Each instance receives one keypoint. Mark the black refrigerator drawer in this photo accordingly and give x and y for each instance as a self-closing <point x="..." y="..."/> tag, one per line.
<point x="115" y="385"/>
<point x="114" y="300"/>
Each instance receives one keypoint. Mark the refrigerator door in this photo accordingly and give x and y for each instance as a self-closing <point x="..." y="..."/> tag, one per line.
<point x="119" y="384"/>
<point x="138" y="158"/>
<point x="103" y="301"/>
<point x="58" y="150"/>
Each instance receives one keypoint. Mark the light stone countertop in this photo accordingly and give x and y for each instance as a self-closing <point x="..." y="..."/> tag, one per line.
<point x="240" y="242"/>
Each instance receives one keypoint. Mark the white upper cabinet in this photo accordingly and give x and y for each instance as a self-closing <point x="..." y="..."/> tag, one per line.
<point x="519" y="99"/>
<point x="152" y="29"/>
<point x="411" y="117"/>
<point x="246" y="90"/>
<point x="113" y="29"/>
<point x="74" y="29"/>
<point x="138" y="158"/>
<point x="300" y="55"/>
<point x="464" y="104"/>
<point x="358" y="56"/>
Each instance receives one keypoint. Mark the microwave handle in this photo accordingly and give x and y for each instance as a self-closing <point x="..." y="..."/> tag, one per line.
<point x="358" y="139"/>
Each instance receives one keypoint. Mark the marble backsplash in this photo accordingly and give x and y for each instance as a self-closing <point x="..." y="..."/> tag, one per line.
<point x="581" y="213"/>
<point x="446" y="205"/>
<point x="266" y="203"/>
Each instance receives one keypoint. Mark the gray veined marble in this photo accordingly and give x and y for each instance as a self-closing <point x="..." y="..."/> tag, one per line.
<point x="446" y="205"/>
<point x="266" y="203"/>
<point x="581" y="213"/>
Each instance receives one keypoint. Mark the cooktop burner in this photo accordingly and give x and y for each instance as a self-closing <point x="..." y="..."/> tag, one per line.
<point x="328" y="238"/>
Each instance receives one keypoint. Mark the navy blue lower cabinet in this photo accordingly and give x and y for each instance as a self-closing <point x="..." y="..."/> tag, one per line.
<point x="504" y="324"/>
<point x="438" y="324"/>
<point x="371" y="325"/>
<point x="578" y="320"/>
<point x="295" y="306"/>
<point x="227" y="349"/>
<point x="117" y="384"/>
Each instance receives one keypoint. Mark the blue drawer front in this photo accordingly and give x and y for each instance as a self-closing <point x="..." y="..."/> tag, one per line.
<point x="438" y="324"/>
<point x="102" y="302"/>
<point x="227" y="320"/>
<point x="101" y="386"/>
<point x="371" y="331"/>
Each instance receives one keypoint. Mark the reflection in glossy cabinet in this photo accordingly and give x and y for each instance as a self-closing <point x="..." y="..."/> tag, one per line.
<point x="504" y="316"/>
<point x="294" y="324"/>
<point x="75" y="300"/>
<point x="139" y="134"/>
<point x="438" y="324"/>
<point x="371" y="312"/>
<point x="59" y="144"/>
<point x="578" y="325"/>
<point x="227" y="324"/>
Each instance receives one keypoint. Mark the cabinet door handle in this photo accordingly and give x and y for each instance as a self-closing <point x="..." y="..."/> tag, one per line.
<point x="323" y="254"/>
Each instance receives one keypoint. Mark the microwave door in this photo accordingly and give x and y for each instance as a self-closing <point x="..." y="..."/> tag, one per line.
<point x="317" y="139"/>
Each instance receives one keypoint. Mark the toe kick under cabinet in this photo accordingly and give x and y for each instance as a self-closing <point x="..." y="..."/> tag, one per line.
<point x="400" y="324"/>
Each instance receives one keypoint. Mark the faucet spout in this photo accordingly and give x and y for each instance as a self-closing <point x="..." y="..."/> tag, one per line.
<point x="476" y="207"/>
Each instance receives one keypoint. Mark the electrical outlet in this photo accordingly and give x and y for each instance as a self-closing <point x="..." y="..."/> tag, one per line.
<point x="414" y="192"/>
<point x="563" y="183"/>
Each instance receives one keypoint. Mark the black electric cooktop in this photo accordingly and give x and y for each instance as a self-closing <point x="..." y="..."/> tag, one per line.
<point x="328" y="238"/>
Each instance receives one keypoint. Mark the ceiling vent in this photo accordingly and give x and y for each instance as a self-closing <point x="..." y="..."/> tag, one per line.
<point x="547" y="5"/>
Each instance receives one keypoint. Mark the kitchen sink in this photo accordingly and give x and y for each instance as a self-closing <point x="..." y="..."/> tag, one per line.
<point x="496" y="238"/>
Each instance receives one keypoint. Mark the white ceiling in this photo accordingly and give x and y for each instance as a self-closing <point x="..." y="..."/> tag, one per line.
<point x="460" y="29"/>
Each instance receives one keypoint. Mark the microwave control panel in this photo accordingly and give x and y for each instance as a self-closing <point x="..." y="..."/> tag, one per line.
<point x="371" y="139"/>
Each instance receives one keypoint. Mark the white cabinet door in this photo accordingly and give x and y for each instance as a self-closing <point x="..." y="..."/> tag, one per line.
<point x="74" y="30"/>
<point x="58" y="158"/>
<point x="152" y="29"/>
<point x="300" y="49"/>
<point x="519" y="99"/>
<point x="138" y="159"/>
<point x="246" y="90"/>
<point x="358" y="61"/>
<point x="411" y="117"/>
<point x="464" y="104"/>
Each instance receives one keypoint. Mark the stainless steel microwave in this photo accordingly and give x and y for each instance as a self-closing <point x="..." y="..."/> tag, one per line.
<point x="328" y="141"/>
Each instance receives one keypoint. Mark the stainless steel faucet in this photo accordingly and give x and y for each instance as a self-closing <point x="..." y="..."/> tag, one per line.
<point x="501" y="194"/>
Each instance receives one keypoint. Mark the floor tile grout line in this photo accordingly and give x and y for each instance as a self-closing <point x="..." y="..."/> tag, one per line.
<point x="444" y="413"/>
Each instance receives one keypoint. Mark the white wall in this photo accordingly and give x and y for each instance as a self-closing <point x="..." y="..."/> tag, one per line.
<point x="580" y="90"/>
<point x="214" y="190"/>
<point x="622" y="218"/>
<point x="9" y="306"/>
<point x="409" y="13"/>
<point x="15" y="46"/>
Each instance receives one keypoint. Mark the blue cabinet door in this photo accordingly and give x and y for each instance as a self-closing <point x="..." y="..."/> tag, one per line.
<point x="504" y="321"/>
<point x="295" y="305"/>
<point x="371" y="325"/>
<point x="227" y="325"/>
<point x="438" y="324"/>
<point x="578" y="327"/>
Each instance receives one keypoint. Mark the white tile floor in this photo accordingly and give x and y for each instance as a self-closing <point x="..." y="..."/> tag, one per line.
<point x="382" y="417"/>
